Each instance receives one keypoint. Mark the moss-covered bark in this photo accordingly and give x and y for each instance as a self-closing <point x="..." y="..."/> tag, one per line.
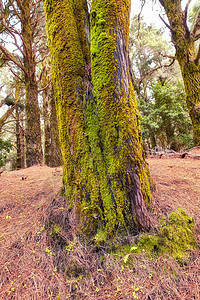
<point x="184" y="42"/>
<point x="34" y="153"/>
<point x="105" y="177"/>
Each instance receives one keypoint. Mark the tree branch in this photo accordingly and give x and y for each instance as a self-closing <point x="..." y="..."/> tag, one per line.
<point x="197" y="37"/>
<point x="4" y="100"/>
<point x="16" y="75"/>
<point x="11" y="57"/>
<point x="40" y="77"/>
<point x="42" y="59"/>
<point x="15" y="10"/>
<point x="167" y="25"/>
<point x="45" y="87"/>
<point x="186" y="10"/>
<point x="185" y="19"/>
<point x="6" y="115"/>
<point x="197" y="57"/>
<point x="168" y="56"/>
<point x="196" y="26"/>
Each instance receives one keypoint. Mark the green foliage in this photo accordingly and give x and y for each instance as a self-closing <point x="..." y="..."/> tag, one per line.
<point x="166" y="117"/>
<point x="147" y="50"/>
<point x="170" y="114"/>
<point x="193" y="13"/>
<point x="5" y="147"/>
<point x="162" y="100"/>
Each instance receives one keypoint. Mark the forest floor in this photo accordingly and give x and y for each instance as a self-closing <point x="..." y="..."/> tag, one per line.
<point x="38" y="262"/>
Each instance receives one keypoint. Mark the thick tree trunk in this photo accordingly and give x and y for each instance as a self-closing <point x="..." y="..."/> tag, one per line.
<point x="184" y="42"/>
<point x="34" y="153"/>
<point x="52" y="153"/>
<point x="105" y="177"/>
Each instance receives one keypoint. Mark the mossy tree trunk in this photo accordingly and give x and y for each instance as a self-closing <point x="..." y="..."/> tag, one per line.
<point x="34" y="153"/>
<point x="105" y="176"/>
<point x="188" y="58"/>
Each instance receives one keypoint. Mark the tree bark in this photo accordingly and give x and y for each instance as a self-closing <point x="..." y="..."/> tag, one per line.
<point x="20" y="161"/>
<point x="52" y="153"/>
<point x="20" y="141"/>
<point x="34" y="153"/>
<point x="105" y="177"/>
<point x="188" y="59"/>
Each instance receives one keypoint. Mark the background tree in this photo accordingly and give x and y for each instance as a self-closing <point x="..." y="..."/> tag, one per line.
<point x="170" y="114"/>
<point x="20" y="128"/>
<point x="161" y="96"/>
<point x="187" y="55"/>
<point x="105" y="177"/>
<point x="19" y="22"/>
<point x="23" y="25"/>
<point x="52" y="152"/>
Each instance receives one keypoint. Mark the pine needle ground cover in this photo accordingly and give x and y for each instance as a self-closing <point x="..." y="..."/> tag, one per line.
<point x="41" y="256"/>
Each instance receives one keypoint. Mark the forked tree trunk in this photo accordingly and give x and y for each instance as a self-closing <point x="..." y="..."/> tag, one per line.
<point x="188" y="59"/>
<point x="105" y="177"/>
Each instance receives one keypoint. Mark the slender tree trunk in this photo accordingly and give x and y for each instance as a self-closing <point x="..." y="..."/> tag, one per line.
<point x="188" y="59"/>
<point x="152" y="138"/>
<point x="33" y="131"/>
<point x="20" y="161"/>
<point x="22" y="135"/>
<point x="52" y="152"/>
<point x="105" y="177"/>
<point x="18" y="139"/>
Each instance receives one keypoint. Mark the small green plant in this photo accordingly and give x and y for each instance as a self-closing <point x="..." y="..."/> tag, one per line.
<point x="56" y="229"/>
<point x="48" y="251"/>
<point x="71" y="245"/>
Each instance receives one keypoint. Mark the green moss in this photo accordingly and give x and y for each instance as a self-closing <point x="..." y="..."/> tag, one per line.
<point x="117" y="107"/>
<point x="175" y="237"/>
<point x="100" y="136"/>
<point x="100" y="236"/>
